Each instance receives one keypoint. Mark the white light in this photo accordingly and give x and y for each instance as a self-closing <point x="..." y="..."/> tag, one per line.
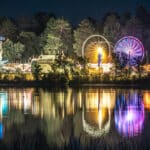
<point x="99" y="49"/>
<point x="130" y="116"/>
<point x="128" y="50"/>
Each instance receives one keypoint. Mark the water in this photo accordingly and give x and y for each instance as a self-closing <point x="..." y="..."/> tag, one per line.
<point x="87" y="118"/>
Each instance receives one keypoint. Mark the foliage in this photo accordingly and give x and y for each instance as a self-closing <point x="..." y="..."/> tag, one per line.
<point x="36" y="70"/>
<point x="45" y="34"/>
<point x="112" y="28"/>
<point x="12" y="51"/>
<point x="41" y="19"/>
<point x="133" y="27"/>
<point x="57" y="37"/>
<point x="31" y="42"/>
<point x="84" y="30"/>
<point x="8" y="29"/>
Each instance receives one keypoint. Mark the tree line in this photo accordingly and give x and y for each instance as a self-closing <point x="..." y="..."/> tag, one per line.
<point x="47" y="34"/>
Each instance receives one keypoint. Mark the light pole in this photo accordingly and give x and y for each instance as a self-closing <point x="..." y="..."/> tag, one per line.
<point x="99" y="50"/>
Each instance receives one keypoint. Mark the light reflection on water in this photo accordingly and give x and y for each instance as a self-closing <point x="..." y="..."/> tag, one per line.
<point x="129" y="113"/>
<point x="62" y="114"/>
<point x="97" y="109"/>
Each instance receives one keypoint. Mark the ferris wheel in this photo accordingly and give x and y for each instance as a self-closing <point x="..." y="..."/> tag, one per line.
<point x="94" y="45"/>
<point x="129" y="50"/>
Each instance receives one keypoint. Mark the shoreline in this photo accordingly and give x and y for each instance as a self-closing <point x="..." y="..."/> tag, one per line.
<point x="47" y="84"/>
<point x="109" y="85"/>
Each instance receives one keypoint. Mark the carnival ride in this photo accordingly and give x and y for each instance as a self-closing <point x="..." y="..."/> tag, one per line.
<point x="130" y="51"/>
<point x="97" y="50"/>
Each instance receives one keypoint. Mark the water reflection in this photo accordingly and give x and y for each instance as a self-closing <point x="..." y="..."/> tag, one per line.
<point x="3" y="110"/>
<point x="71" y="113"/>
<point x="1" y="130"/>
<point x="146" y="98"/>
<point x="96" y="114"/>
<point x="3" y="104"/>
<point x="20" y="99"/>
<point x="129" y="113"/>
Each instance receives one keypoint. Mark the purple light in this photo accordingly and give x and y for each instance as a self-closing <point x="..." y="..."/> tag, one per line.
<point x="130" y="122"/>
<point x="131" y="49"/>
<point x="129" y="118"/>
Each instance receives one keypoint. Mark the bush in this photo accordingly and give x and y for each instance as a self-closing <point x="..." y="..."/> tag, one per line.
<point x="63" y="80"/>
<point x="105" y="78"/>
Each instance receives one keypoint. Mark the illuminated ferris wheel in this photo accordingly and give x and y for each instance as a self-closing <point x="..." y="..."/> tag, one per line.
<point x="95" y="45"/>
<point x="129" y="50"/>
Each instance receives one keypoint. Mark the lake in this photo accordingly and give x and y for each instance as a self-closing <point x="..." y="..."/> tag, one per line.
<point x="81" y="118"/>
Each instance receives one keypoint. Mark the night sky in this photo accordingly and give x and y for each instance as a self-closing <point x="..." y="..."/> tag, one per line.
<point x="74" y="10"/>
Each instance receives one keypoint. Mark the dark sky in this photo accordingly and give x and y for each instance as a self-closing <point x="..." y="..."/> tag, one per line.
<point x="74" y="10"/>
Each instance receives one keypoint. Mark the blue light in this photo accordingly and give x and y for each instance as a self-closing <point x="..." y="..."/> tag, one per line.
<point x="1" y="130"/>
<point x="4" y="103"/>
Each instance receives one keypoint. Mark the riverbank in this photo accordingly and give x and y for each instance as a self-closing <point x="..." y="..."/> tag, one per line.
<point x="49" y="84"/>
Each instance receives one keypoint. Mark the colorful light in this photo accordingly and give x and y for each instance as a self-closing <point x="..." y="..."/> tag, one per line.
<point x="95" y="45"/>
<point x="97" y="111"/>
<point x="100" y="50"/>
<point x="129" y="115"/>
<point x="1" y="130"/>
<point x="4" y="103"/>
<point x="146" y="98"/>
<point x="130" y="50"/>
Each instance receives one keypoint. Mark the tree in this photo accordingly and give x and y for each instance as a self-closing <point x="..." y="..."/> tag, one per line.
<point x="12" y="51"/>
<point x="117" y="63"/>
<point x="53" y="45"/>
<point x="124" y="18"/>
<point x="36" y="70"/>
<point x="24" y="23"/>
<point x="19" y="49"/>
<point x="138" y="60"/>
<point x="133" y="27"/>
<point x="65" y="31"/>
<point x="31" y="42"/>
<point x="84" y="30"/>
<point x="143" y="15"/>
<point x="8" y="47"/>
<point x="56" y="37"/>
<point x="146" y="42"/>
<point x="8" y="29"/>
<point x="42" y="18"/>
<point x="112" y="28"/>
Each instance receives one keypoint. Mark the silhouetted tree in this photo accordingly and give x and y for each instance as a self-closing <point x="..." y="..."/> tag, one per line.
<point x="133" y="27"/>
<point x="112" y="28"/>
<point x="42" y="19"/>
<point x="31" y="42"/>
<point x="143" y="15"/>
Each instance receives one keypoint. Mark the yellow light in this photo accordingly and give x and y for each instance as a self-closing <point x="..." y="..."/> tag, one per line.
<point x="146" y="98"/>
<point x="100" y="49"/>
